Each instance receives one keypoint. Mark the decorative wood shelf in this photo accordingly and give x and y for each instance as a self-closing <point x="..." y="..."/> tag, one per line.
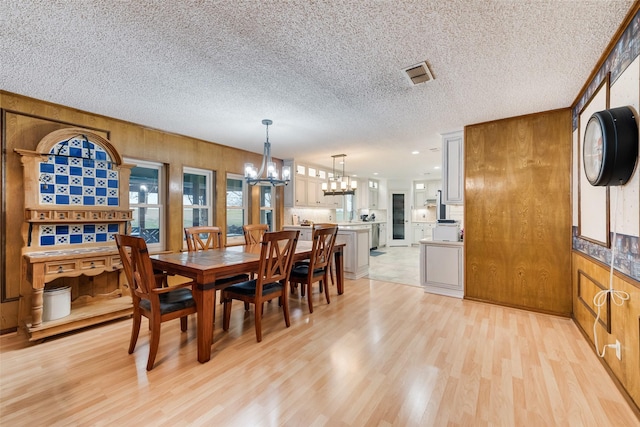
<point x="99" y="311"/>
<point x="44" y="215"/>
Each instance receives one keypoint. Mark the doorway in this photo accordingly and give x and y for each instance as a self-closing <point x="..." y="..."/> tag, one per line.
<point x="399" y="219"/>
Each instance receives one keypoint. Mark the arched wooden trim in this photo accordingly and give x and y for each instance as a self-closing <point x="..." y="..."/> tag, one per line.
<point x="50" y="140"/>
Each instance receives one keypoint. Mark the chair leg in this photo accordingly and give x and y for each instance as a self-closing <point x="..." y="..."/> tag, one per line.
<point x="258" y="320"/>
<point x="331" y="271"/>
<point x="135" y="330"/>
<point x="285" y="310"/>
<point x="326" y="288"/>
<point x="309" y="295"/>
<point x="183" y="323"/>
<point x="246" y="306"/>
<point x="227" y="314"/>
<point x="154" y="342"/>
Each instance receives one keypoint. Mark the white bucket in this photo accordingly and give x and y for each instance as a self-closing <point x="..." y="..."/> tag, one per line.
<point x="57" y="303"/>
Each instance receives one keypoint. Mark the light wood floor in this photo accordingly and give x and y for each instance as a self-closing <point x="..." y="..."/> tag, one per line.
<point x="381" y="354"/>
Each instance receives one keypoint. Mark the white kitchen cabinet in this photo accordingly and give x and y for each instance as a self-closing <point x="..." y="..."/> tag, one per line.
<point x="295" y="193"/>
<point x="383" y="234"/>
<point x="453" y="168"/>
<point x="421" y="231"/>
<point x="418" y="232"/>
<point x="300" y="189"/>
<point x="424" y="193"/>
<point x="373" y="193"/>
<point x="442" y="268"/>
<point x="356" y="254"/>
<point x="305" y="189"/>
<point x="315" y="196"/>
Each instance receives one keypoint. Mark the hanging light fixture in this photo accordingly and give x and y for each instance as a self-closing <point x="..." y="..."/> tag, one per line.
<point x="254" y="176"/>
<point x="339" y="184"/>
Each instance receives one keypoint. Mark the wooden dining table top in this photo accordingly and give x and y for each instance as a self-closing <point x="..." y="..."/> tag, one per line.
<point x="204" y="266"/>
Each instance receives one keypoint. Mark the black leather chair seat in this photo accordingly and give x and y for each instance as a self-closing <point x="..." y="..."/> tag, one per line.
<point x="249" y="288"/>
<point x="301" y="270"/>
<point x="172" y="301"/>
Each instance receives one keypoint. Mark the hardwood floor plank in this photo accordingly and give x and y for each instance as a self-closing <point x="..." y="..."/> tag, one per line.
<point x="382" y="354"/>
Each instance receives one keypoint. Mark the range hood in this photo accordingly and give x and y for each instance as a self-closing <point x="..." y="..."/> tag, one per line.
<point x="430" y="202"/>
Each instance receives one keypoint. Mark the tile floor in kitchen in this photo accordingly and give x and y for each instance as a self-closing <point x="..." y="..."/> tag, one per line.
<point x="397" y="264"/>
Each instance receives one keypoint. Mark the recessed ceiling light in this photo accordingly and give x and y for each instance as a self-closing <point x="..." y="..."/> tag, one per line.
<point x="375" y="173"/>
<point x="415" y="152"/>
<point x="437" y="167"/>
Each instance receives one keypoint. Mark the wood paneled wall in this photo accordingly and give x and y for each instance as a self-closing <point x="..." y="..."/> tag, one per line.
<point x="621" y="323"/>
<point x="26" y="121"/>
<point x="518" y="212"/>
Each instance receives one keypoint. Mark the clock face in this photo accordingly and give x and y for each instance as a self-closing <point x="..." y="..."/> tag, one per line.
<point x="593" y="150"/>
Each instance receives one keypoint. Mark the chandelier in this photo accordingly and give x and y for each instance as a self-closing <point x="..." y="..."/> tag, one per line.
<point x="339" y="184"/>
<point x="253" y="176"/>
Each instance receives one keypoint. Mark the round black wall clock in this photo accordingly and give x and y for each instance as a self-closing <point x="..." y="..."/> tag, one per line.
<point x="610" y="147"/>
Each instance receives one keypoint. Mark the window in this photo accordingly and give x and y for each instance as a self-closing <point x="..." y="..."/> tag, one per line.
<point x="197" y="197"/>
<point x="267" y="206"/>
<point x="146" y="198"/>
<point x="236" y="209"/>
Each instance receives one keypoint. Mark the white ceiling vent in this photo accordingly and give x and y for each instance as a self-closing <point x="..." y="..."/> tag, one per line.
<point x="419" y="73"/>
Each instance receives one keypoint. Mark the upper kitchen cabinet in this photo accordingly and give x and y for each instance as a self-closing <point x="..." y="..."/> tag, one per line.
<point x="305" y="189"/>
<point x="374" y="186"/>
<point x="424" y="193"/>
<point x="371" y="194"/>
<point x="295" y="193"/>
<point x="453" y="168"/>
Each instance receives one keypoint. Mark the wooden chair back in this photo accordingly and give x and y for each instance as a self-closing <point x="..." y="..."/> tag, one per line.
<point x="203" y="237"/>
<point x="253" y="233"/>
<point x="137" y="266"/>
<point x="324" y="238"/>
<point x="276" y="257"/>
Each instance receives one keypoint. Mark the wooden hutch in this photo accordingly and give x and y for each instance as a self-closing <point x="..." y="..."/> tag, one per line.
<point x="76" y="201"/>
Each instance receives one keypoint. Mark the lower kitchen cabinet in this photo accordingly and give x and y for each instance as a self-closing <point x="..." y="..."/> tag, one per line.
<point x="421" y="231"/>
<point x="383" y="235"/>
<point x="442" y="267"/>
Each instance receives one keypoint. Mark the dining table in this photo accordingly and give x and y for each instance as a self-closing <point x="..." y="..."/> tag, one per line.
<point x="203" y="267"/>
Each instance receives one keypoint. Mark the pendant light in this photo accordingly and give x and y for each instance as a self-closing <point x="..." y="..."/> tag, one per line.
<point x="268" y="167"/>
<point x="339" y="184"/>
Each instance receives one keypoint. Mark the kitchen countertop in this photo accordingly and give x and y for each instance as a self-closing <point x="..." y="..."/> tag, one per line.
<point x="342" y="224"/>
<point x="440" y="243"/>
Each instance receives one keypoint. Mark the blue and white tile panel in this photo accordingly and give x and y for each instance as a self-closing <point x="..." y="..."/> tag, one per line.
<point x="71" y="234"/>
<point x="66" y="179"/>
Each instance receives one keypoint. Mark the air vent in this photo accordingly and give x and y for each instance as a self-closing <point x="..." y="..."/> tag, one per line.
<point x="419" y="73"/>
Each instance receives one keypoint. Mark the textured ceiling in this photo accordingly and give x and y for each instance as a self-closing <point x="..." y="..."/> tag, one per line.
<point x="328" y="73"/>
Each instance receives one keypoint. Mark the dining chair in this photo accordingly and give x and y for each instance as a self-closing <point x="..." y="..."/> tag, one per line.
<point x="332" y="269"/>
<point x="151" y="300"/>
<point x="276" y="259"/>
<point x="317" y="269"/>
<point x="253" y="233"/>
<point x="206" y="237"/>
